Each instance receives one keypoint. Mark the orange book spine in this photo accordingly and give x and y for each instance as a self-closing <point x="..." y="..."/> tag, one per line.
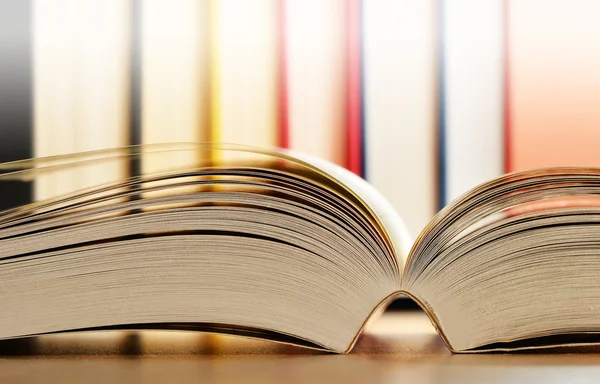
<point x="507" y="110"/>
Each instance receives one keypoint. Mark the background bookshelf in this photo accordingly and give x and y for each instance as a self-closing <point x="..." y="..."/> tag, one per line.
<point x="425" y="99"/>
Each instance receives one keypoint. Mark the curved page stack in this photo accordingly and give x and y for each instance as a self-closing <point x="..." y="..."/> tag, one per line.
<point x="282" y="246"/>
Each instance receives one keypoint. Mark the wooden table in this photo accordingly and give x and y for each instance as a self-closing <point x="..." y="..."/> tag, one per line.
<point x="398" y="347"/>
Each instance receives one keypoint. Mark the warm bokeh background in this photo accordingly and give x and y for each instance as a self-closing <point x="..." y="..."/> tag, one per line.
<point x="423" y="98"/>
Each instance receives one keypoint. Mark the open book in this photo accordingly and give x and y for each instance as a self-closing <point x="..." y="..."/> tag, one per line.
<point x="286" y="247"/>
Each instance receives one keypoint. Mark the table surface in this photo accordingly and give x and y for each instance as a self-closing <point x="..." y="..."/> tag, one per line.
<point x="398" y="347"/>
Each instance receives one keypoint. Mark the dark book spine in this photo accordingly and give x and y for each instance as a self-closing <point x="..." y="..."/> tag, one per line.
<point x="135" y="91"/>
<point x="441" y="112"/>
<point x="16" y="99"/>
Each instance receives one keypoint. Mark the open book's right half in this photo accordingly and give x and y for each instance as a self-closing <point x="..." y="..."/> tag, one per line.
<point x="513" y="263"/>
<point x="279" y="245"/>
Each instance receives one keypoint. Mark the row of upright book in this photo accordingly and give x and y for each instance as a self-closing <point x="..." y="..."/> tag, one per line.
<point x="423" y="98"/>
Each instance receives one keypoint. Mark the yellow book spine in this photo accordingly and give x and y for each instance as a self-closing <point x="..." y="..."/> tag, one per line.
<point x="214" y="63"/>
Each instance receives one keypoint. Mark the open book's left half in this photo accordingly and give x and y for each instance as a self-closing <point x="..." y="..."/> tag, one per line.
<point x="230" y="239"/>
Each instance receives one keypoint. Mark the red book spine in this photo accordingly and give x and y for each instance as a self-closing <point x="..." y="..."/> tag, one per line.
<point x="507" y="99"/>
<point x="284" y="129"/>
<point x="354" y="156"/>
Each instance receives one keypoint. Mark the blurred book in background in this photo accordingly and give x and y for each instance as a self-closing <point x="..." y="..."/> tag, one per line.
<point x="175" y="105"/>
<point x="354" y="88"/>
<point x="243" y="72"/>
<point x="315" y="68"/>
<point x="553" y="83"/>
<point x="80" y="86"/>
<point x="400" y="105"/>
<point x="16" y="104"/>
<point x="471" y="94"/>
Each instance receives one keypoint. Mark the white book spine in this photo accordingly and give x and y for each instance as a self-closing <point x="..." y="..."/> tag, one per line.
<point x="245" y="74"/>
<point x="400" y="105"/>
<point x="472" y="121"/>
<point x="315" y="49"/>
<point x="175" y="93"/>
<point x="81" y="67"/>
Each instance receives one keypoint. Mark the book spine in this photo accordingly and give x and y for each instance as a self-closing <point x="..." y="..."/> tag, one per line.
<point x="246" y="61"/>
<point x="81" y="82"/>
<point x="16" y="102"/>
<point x="507" y="90"/>
<point x="214" y="71"/>
<point x="554" y="86"/>
<point x="471" y="94"/>
<point x="174" y="77"/>
<point x="400" y="99"/>
<point x="354" y="155"/>
<point x="442" y="143"/>
<point x="283" y="116"/>
<point x="316" y="77"/>
<point x="363" y="133"/>
<point x="135" y="86"/>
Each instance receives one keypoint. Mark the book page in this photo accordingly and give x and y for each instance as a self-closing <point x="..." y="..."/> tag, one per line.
<point x="393" y="225"/>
